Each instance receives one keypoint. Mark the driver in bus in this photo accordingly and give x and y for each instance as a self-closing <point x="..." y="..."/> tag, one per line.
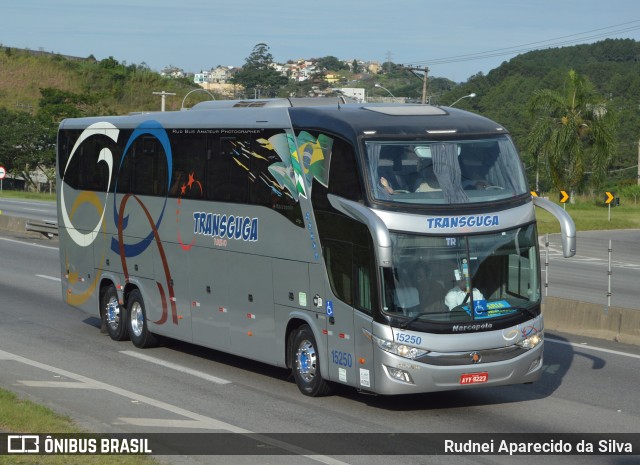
<point x="430" y="291"/>
<point x="459" y="294"/>
<point x="400" y="176"/>
<point x="387" y="186"/>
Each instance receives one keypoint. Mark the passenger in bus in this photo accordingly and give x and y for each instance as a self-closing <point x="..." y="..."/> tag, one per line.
<point x="427" y="180"/>
<point x="475" y="164"/>
<point x="459" y="295"/>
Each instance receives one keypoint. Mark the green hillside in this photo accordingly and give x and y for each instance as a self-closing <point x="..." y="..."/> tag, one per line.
<point x="613" y="66"/>
<point x="103" y="87"/>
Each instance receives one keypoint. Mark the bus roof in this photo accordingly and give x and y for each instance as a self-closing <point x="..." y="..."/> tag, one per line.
<point x="396" y="120"/>
<point x="327" y="114"/>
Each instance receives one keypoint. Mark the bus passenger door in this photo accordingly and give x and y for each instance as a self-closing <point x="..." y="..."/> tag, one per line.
<point x="363" y="350"/>
<point x="339" y="311"/>
<point x="363" y="301"/>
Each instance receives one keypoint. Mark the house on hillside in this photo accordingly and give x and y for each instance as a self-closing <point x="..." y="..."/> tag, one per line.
<point x="172" y="72"/>
<point x="374" y="67"/>
<point x="202" y="77"/>
<point x="332" y="78"/>
<point x="222" y="74"/>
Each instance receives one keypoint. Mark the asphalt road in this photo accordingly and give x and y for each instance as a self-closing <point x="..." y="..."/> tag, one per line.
<point x="585" y="276"/>
<point x="29" y="209"/>
<point x="56" y="355"/>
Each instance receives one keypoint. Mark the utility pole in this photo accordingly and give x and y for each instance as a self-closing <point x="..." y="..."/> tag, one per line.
<point x="389" y="56"/>
<point x="163" y="94"/>
<point x="639" y="163"/>
<point x="425" y="76"/>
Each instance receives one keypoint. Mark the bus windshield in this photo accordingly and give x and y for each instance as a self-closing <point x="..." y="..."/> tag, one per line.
<point x="445" y="172"/>
<point x="462" y="278"/>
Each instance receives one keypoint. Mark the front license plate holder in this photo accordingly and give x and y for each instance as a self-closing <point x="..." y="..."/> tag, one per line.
<point x="474" y="378"/>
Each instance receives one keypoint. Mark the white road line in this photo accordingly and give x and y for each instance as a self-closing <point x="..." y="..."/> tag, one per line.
<point x="211" y="422"/>
<point x="52" y="278"/>
<point x="57" y="384"/>
<point x="164" y="423"/>
<point x="28" y="243"/>
<point x="174" y="366"/>
<point x="598" y="349"/>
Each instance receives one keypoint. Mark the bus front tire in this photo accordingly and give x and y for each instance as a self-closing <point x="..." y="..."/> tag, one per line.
<point x="114" y="316"/>
<point x="306" y="364"/>
<point x="138" y="324"/>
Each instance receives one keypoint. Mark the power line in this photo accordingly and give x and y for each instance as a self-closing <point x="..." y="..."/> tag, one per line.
<point x="558" y="41"/>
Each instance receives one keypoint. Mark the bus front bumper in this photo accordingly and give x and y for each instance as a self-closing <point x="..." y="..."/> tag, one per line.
<point x="399" y="375"/>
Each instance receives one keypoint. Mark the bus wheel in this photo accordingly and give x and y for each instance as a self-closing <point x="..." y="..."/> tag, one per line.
<point x="306" y="364"/>
<point x="138" y="326"/>
<point x="113" y="315"/>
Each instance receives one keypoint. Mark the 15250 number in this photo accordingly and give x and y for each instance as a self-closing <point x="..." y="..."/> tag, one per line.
<point x="408" y="338"/>
<point x="342" y="358"/>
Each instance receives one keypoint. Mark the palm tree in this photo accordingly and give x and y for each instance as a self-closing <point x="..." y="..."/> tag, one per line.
<point x="574" y="131"/>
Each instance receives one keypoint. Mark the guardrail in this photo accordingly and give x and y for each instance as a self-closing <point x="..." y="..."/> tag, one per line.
<point x="48" y="229"/>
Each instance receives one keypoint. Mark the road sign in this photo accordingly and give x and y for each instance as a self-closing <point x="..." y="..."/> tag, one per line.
<point x="3" y="172"/>
<point x="563" y="196"/>
<point x="608" y="198"/>
<point x="535" y="194"/>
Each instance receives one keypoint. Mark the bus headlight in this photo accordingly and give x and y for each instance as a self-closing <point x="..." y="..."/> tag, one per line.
<point x="532" y="341"/>
<point x="402" y="350"/>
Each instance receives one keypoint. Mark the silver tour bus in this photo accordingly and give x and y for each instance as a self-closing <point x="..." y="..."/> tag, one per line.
<point x="391" y="248"/>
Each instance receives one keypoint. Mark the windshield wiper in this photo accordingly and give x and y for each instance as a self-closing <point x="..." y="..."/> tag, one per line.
<point x="526" y="309"/>
<point x="405" y="324"/>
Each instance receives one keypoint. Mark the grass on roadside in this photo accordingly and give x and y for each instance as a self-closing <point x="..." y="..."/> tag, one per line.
<point x="590" y="217"/>
<point x="45" y="196"/>
<point x="23" y="416"/>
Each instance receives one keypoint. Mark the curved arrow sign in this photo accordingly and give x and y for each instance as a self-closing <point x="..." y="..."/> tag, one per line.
<point x="563" y="196"/>
<point x="608" y="198"/>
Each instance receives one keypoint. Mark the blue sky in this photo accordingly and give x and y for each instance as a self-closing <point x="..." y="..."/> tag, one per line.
<point x="455" y="39"/>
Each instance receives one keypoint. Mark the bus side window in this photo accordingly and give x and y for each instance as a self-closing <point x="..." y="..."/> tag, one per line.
<point x="363" y="271"/>
<point x="150" y="168"/>
<point x="85" y="173"/>
<point x="189" y="158"/>
<point x="350" y="273"/>
<point x="343" y="173"/>
<point x="226" y="179"/>
<point x="339" y="260"/>
<point x="267" y="190"/>
<point x="343" y="177"/>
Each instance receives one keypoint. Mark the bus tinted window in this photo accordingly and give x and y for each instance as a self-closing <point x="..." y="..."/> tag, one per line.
<point x="264" y="187"/>
<point x="150" y="167"/>
<point x="343" y="179"/>
<point x="339" y="262"/>
<point x="227" y="171"/>
<point x="190" y="153"/>
<point x="85" y="171"/>
<point x="343" y="174"/>
<point x="445" y="172"/>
